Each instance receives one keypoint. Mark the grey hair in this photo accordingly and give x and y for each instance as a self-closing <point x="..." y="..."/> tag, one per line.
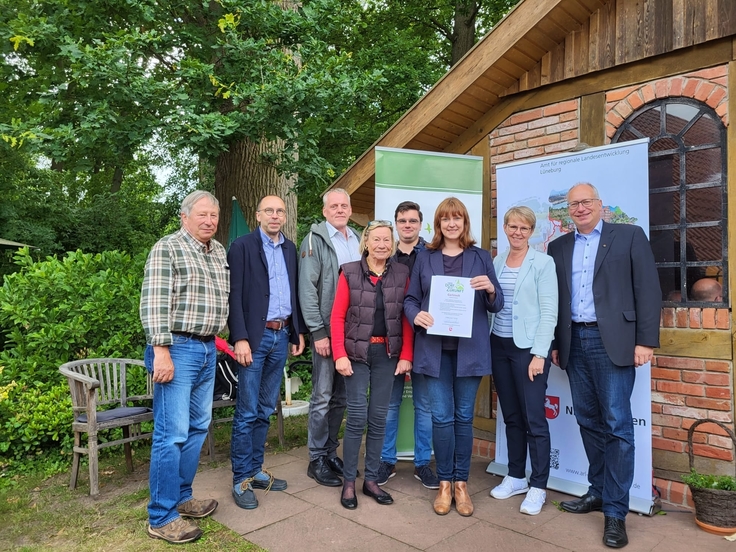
<point x="335" y="191"/>
<point x="589" y="185"/>
<point x="194" y="197"/>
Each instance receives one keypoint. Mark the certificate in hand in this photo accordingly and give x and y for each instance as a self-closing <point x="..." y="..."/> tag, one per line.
<point x="451" y="305"/>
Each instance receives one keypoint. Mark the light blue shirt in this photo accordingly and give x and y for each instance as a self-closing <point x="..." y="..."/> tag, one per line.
<point x="583" y="265"/>
<point x="346" y="248"/>
<point x="279" y="297"/>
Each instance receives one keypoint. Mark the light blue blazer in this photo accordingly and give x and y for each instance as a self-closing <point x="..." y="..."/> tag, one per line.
<point x="534" y="305"/>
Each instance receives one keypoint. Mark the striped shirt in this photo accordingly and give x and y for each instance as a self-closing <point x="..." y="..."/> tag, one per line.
<point x="185" y="288"/>
<point x="503" y="324"/>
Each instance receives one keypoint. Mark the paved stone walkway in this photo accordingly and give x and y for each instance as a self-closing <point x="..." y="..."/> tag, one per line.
<point x="308" y="517"/>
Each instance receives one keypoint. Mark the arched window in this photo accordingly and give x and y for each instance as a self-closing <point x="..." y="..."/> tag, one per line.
<point x="687" y="198"/>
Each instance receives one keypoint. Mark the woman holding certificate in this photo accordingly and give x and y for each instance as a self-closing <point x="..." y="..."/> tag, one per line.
<point x="521" y="336"/>
<point x="372" y="342"/>
<point x="448" y="273"/>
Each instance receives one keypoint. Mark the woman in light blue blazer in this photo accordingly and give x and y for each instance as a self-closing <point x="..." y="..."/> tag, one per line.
<point x="521" y="336"/>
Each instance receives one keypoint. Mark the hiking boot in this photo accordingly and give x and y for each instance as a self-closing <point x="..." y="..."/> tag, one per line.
<point x="265" y="481"/>
<point x="178" y="531"/>
<point x="509" y="487"/>
<point x="427" y="477"/>
<point x="195" y="508"/>
<point x="385" y="472"/>
<point x="244" y="495"/>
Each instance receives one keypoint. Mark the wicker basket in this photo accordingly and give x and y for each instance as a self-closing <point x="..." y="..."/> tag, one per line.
<point x="712" y="506"/>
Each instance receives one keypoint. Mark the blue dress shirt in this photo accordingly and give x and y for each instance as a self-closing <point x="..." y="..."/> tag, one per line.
<point x="279" y="299"/>
<point x="583" y="265"/>
<point x="345" y="248"/>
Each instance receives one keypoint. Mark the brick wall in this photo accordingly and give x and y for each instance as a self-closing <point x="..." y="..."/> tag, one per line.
<point x="683" y="389"/>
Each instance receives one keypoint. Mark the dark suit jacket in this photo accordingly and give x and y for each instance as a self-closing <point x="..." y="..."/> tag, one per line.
<point x="249" y="291"/>
<point x="626" y="292"/>
<point x="473" y="353"/>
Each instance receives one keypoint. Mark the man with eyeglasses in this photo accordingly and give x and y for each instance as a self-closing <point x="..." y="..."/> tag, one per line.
<point x="608" y="325"/>
<point x="328" y="245"/>
<point x="408" y="218"/>
<point x="265" y="319"/>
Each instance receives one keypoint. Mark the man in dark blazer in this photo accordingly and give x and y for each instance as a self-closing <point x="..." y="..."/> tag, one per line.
<point x="264" y="319"/>
<point x="608" y="325"/>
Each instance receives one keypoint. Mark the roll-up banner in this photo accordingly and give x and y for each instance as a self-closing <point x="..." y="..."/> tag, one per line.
<point x="621" y="174"/>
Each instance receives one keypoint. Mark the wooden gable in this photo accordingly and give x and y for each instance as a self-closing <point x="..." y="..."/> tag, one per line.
<point x="538" y="44"/>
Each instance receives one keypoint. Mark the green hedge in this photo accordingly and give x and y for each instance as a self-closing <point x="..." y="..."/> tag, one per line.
<point x="51" y="312"/>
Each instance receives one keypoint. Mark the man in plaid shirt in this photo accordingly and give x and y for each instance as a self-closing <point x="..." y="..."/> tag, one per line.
<point x="184" y="304"/>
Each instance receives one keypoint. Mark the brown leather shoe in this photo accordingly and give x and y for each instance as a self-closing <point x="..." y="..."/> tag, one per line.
<point x="463" y="504"/>
<point x="443" y="501"/>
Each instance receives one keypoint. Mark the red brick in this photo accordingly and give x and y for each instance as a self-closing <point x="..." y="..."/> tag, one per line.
<point x="614" y="118"/>
<point x="514" y="146"/>
<point x="561" y="127"/>
<point x="724" y="417"/>
<point x="723" y="321"/>
<point x="619" y="94"/>
<point x="561" y="146"/>
<point x="512" y="129"/>
<point x="681" y="435"/>
<point x="694" y="318"/>
<point x="525" y="116"/>
<point x="610" y="131"/>
<point x="709" y="318"/>
<point x="544" y="122"/>
<point x="569" y="135"/>
<point x="660" y="89"/>
<point x="531" y="152"/>
<point x="681" y="388"/>
<point x="708" y="378"/>
<point x="690" y="86"/>
<point x="668" y="399"/>
<point x="718" y="392"/>
<point x="667" y="444"/>
<point x="678" y="493"/>
<point x="704" y="90"/>
<point x="647" y="93"/>
<point x="668" y="317"/>
<point x="712" y="404"/>
<point x="722" y="111"/>
<point x="624" y="109"/>
<point x="676" y="84"/>
<point x="505" y="158"/>
<point x="501" y="140"/>
<point x="656" y="408"/>
<point x="656" y="430"/>
<point x="684" y="411"/>
<point x="680" y="362"/>
<point x="723" y="81"/>
<point x="561" y="107"/>
<point x="712" y="452"/>
<point x="529" y="134"/>
<point x="664" y="374"/>
<point x="716" y="96"/>
<point x="635" y="100"/>
<point x="717" y="366"/>
<point x="569" y="116"/>
<point x="710" y="73"/>
<point x="544" y="140"/>
<point x="718" y="441"/>
<point x="681" y="317"/>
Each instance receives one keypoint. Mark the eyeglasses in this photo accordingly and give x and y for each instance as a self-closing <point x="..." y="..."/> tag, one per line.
<point x="523" y="229"/>
<point x="269" y="211"/>
<point x="573" y="205"/>
<point x="379" y="223"/>
<point x="410" y="221"/>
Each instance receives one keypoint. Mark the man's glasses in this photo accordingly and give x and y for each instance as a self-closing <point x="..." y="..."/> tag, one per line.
<point x="269" y="211"/>
<point x="410" y="221"/>
<point x="573" y="205"/>
<point x="523" y="229"/>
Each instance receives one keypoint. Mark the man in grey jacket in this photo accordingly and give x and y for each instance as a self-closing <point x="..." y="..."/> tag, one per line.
<point x="328" y="245"/>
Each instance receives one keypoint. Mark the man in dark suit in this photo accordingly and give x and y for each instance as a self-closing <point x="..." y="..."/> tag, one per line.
<point x="608" y="325"/>
<point x="264" y="319"/>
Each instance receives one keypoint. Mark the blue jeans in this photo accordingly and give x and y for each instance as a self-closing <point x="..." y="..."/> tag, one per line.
<point x="182" y="409"/>
<point x="259" y="388"/>
<point x="326" y="407"/>
<point x="452" y="401"/>
<point x="368" y="392"/>
<point x="522" y="402"/>
<point x="422" y="421"/>
<point x="601" y="398"/>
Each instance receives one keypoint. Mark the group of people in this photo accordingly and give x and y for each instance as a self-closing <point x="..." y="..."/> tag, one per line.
<point x="590" y="306"/>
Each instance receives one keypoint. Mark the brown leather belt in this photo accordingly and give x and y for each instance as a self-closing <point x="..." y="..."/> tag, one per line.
<point x="202" y="338"/>
<point x="378" y="339"/>
<point x="278" y="324"/>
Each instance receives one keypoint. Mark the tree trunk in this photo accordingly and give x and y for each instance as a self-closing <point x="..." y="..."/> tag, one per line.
<point x="242" y="172"/>
<point x="463" y="35"/>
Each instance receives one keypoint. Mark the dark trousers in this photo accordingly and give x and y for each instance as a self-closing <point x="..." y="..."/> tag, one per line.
<point x="522" y="402"/>
<point x="369" y="392"/>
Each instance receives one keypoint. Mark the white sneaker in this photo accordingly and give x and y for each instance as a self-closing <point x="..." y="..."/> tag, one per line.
<point x="510" y="486"/>
<point x="533" y="501"/>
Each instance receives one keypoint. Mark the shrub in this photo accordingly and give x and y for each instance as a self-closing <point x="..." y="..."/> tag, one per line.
<point x="700" y="481"/>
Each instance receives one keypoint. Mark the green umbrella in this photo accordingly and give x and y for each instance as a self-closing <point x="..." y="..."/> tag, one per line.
<point x="238" y="226"/>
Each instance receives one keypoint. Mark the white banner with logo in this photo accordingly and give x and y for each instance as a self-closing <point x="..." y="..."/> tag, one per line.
<point x="620" y="172"/>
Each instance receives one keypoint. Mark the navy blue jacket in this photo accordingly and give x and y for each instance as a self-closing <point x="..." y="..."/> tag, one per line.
<point x="249" y="290"/>
<point x="473" y="353"/>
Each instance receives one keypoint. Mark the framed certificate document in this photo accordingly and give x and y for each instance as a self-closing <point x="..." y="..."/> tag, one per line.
<point x="451" y="302"/>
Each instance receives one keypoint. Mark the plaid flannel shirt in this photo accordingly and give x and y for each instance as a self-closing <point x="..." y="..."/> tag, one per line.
<point x="185" y="288"/>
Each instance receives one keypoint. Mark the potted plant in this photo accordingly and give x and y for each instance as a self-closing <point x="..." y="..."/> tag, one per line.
<point x="714" y="495"/>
